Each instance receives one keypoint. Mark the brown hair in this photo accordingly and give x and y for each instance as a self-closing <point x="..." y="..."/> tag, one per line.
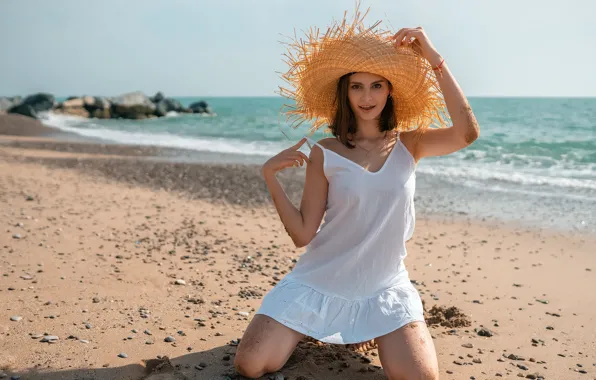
<point x="344" y="121"/>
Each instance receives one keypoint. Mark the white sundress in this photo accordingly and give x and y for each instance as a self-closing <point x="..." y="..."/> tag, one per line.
<point x="351" y="285"/>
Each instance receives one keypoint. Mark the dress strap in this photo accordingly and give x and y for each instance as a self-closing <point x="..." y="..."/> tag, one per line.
<point x="310" y="141"/>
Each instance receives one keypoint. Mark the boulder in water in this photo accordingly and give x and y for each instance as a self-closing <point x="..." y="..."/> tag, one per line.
<point x="33" y="104"/>
<point x="101" y="113"/>
<point x="23" y="109"/>
<point x="73" y="106"/>
<point x="200" y="107"/>
<point x="134" y="105"/>
<point x="40" y="102"/>
<point x="158" y="97"/>
<point x="169" y="105"/>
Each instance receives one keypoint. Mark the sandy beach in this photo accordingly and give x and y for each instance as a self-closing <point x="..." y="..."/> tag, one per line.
<point x="118" y="264"/>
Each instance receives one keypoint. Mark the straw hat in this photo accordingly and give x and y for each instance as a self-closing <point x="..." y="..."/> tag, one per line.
<point x="317" y="62"/>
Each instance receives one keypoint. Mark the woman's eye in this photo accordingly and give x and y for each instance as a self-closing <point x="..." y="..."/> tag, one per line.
<point x="355" y="87"/>
<point x="377" y="85"/>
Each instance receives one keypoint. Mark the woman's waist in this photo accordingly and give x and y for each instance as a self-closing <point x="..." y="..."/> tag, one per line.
<point x="350" y="281"/>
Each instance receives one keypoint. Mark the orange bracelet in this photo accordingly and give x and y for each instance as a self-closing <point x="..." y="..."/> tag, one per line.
<point x="439" y="67"/>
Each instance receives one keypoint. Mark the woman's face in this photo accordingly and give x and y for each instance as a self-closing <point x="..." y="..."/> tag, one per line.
<point x="367" y="94"/>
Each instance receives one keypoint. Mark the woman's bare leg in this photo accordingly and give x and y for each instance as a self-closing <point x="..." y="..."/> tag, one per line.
<point x="265" y="347"/>
<point x="409" y="353"/>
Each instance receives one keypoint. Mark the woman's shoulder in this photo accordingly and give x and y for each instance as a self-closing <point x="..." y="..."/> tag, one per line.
<point x="327" y="142"/>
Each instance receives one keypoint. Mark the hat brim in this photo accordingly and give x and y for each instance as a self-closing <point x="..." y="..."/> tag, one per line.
<point x="317" y="64"/>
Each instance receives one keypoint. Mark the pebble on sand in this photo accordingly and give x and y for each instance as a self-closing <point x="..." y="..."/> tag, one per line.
<point x="16" y="318"/>
<point x="49" y="339"/>
<point x="180" y="282"/>
<point x="122" y="355"/>
<point x="170" y="339"/>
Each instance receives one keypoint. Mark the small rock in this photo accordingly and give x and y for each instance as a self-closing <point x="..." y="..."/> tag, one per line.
<point x="533" y="376"/>
<point x="122" y="355"/>
<point x="16" y="236"/>
<point x="88" y="326"/>
<point x="16" y="318"/>
<point x="83" y="341"/>
<point x="485" y="332"/>
<point x="180" y="282"/>
<point x="467" y="345"/>
<point x="170" y="339"/>
<point x="49" y="339"/>
<point x="243" y="313"/>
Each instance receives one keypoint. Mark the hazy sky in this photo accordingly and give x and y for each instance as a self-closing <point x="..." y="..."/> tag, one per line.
<point x="231" y="47"/>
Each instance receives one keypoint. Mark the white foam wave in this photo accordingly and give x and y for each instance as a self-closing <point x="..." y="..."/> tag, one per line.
<point x="478" y="184"/>
<point x="74" y="124"/>
<point x="510" y="176"/>
<point x="561" y="175"/>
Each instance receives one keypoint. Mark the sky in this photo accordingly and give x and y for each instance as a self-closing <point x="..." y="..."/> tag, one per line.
<point x="232" y="47"/>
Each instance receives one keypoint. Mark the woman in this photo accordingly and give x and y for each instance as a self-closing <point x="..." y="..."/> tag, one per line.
<point x="379" y="96"/>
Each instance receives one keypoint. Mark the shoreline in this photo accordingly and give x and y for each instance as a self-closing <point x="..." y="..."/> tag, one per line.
<point x="41" y="143"/>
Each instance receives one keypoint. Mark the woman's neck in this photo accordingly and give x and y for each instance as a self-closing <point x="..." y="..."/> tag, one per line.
<point x="368" y="130"/>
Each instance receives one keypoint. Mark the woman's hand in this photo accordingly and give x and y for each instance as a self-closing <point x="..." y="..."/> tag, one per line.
<point x="290" y="157"/>
<point x="417" y="39"/>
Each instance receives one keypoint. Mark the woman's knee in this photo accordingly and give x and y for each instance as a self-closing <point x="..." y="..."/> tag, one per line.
<point x="248" y="367"/>
<point x="253" y="368"/>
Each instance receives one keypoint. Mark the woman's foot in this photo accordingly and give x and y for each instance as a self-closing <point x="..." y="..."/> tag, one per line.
<point x="363" y="346"/>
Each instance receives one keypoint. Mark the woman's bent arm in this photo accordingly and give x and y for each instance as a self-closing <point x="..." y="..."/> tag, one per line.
<point x="301" y="224"/>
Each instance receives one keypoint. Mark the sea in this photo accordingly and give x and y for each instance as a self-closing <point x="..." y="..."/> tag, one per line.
<point x="534" y="163"/>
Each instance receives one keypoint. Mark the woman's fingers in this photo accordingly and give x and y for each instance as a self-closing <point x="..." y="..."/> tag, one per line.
<point x="295" y="162"/>
<point x="298" y="144"/>
<point x="305" y="157"/>
<point x="299" y="156"/>
<point x="399" y="36"/>
<point x="405" y="35"/>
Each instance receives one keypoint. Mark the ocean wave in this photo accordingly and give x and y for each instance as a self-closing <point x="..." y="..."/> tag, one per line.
<point x="85" y="127"/>
<point x="487" y="172"/>
<point x="496" y="165"/>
